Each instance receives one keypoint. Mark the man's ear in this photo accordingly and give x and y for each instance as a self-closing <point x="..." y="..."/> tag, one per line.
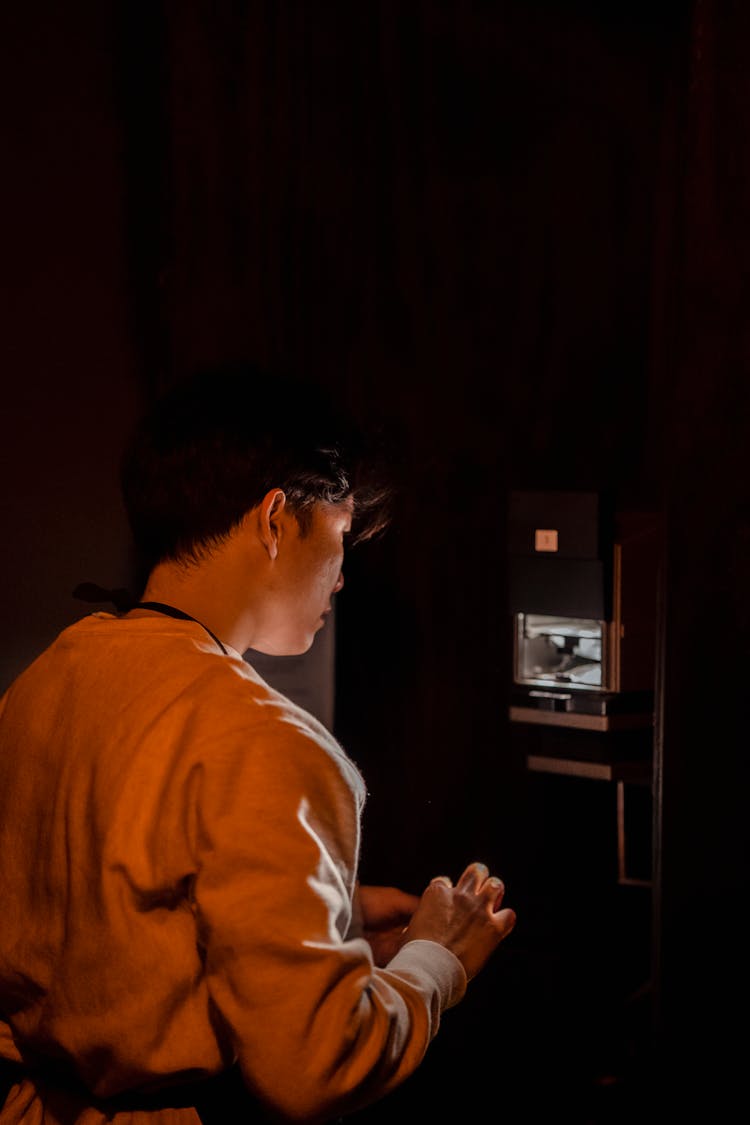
<point x="271" y="507"/>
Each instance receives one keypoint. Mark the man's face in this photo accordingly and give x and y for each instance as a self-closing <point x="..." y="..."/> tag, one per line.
<point x="307" y="575"/>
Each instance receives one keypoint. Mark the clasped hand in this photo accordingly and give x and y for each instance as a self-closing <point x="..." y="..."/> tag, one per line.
<point x="467" y="918"/>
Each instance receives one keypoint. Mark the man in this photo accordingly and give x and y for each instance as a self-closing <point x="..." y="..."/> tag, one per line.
<point x="180" y="841"/>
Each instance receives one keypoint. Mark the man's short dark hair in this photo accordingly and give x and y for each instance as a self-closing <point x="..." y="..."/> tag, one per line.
<point x="209" y="450"/>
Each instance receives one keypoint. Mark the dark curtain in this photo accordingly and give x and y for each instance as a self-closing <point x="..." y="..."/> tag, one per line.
<point x="444" y="213"/>
<point x="443" y="210"/>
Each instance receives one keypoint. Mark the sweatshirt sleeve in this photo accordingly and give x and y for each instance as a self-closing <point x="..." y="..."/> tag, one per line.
<point x="317" y="1029"/>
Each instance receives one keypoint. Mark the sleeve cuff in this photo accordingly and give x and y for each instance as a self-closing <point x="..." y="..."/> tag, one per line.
<point x="420" y="958"/>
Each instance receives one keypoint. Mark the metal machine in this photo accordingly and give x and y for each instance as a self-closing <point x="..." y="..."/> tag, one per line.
<point x="583" y="598"/>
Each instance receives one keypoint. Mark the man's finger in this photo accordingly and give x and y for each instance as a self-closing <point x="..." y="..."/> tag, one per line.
<point x="473" y="877"/>
<point x="493" y="890"/>
<point x="503" y="921"/>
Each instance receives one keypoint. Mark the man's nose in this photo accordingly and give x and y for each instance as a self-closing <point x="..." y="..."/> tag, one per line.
<point x="339" y="583"/>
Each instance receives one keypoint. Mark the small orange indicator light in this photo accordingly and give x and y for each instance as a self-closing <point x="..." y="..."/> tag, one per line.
<point x="545" y="540"/>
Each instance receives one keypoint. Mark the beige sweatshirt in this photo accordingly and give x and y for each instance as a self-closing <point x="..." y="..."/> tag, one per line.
<point x="179" y="851"/>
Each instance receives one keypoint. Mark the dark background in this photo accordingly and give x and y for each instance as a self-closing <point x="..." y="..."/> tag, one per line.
<point x="513" y="238"/>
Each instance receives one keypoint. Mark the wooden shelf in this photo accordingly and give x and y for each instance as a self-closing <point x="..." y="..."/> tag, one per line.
<point x="579" y="721"/>
<point x="636" y="772"/>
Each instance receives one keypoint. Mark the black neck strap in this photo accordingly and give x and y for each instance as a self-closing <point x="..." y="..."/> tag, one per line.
<point x="171" y="611"/>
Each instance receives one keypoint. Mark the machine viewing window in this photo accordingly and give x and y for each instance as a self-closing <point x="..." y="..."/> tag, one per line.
<point x="562" y="651"/>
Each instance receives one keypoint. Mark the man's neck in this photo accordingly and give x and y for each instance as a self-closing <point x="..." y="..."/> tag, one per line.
<point x="208" y="592"/>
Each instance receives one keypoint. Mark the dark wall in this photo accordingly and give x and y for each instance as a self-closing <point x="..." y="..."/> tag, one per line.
<point x="700" y="394"/>
<point x="70" y="359"/>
